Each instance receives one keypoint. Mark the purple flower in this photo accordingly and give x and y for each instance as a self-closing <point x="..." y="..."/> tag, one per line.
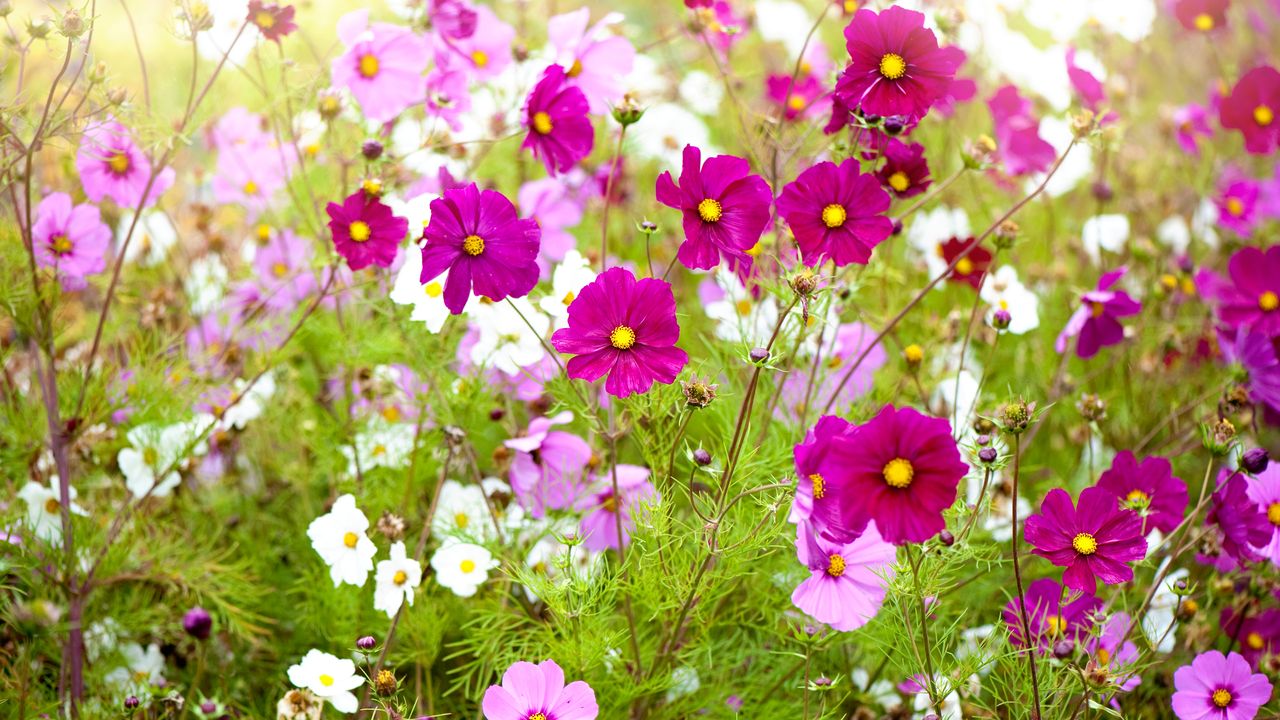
<point x="905" y="172"/>
<point x="848" y="581"/>
<point x="809" y="456"/>
<point x="1265" y="492"/>
<point x="1094" y="540"/>
<point x="1017" y="131"/>
<point x="530" y="690"/>
<point x="486" y="248"/>
<point x="1048" y="619"/>
<point x="1257" y="355"/>
<point x="596" y="59"/>
<point x="198" y="623"/>
<point x="1096" y="322"/>
<point x="625" y="329"/>
<point x="836" y="213"/>
<point x="896" y="66"/>
<point x="72" y="241"/>
<point x="1252" y="297"/>
<point x="548" y="468"/>
<point x="725" y="207"/>
<point x="382" y="66"/>
<point x="1110" y="652"/>
<point x="283" y="271"/>
<point x="1253" y="108"/>
<point x="599" y="527"/>
<point x="365" y="231"/>
<point x="112" y="166"/>
<point x="1191" y="122"/>
<point x="1214" y="687"/>
<point x="1257" y="634"/>
<point x="560" y="133"/>
<point x="1238" y="206"/>
<point x="1242" y="524"/>
<point x="1148" y="488"/>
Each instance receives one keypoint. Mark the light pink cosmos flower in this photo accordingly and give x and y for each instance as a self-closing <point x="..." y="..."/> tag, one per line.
<point x="596" y="60"/>
<point x="112" y="166"/>
<point x="485" y="54"/>
<point x="448" y="96"/>
<point x="599" y="527"/>
<point x="71" y="240"/>
<point x="531" y="690"/>
<point x="251" y="165"/>
<point x="1265" y="491"/>
<point x="547" y="471"/>
<point x="1191" y="122"/>
<point x="382" y="66"/>
<point x="283" y="272"/>
<point x="848" y="582"/>
<point x="548" y="202"/>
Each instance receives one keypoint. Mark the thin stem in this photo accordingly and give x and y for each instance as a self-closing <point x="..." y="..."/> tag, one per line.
<point x="1028" y="647"/>
<point x="608" y="202"/>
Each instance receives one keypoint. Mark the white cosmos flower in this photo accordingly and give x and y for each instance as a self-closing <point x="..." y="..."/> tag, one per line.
<point x="142" y="666"/>
<point x="44" y="508"/>
<point x="1075" y="168"/>
<point x="227" y="18"/>
<point x="396" y="580"/>
<point x="666" y="129"/>
<point x="427" y="299"/>
<point x="567" y="280"/>
<point x="957" y="397"/>
<point x="154" y="449"/>
<point x="684" y="681"/>
<point x="1163" y="613"/>
<point x="1003" y="290"/>
<point x="206" y="284"/>
<point x="881" y="691"/>
<point x="328" y="677"/>
<point x="740" y="317"/>
<point x="152" y="238"/>
<point x="252" y="400"/>
<point x="702" y="92"/>
<point x="462" y="567"/>
<point x="506" y="342"/>
<point x="461" y="511"/>
<point x="340" y="538"/>
<point x="1105" y="232"/>
<point x="931" y="229"/>
<point x="1174" y="233"/>
<point x="1203" y="222"/>
<point x="380" y="444"/>
<point x="784" y="21"/>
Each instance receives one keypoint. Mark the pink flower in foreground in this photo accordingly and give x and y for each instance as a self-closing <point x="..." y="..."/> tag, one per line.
<point x="1148" y="488"/>
<point x="555" y="114"/>
<point x="836" y="212"/>
<point x="725" y="207"/>
<point x="847" y="583"/>
<point x="1265" y="491"/>
<point x="485" y="52"/>
<point x="1251" y="297"/>
<point x="70" y="240"/>
<point x="112" y="166"/>
<point x="599" y="527"/>
<point x="595" y="59"/>
<point x="1218" y="687"/>
<point x="1096" y="539"/>
<point x="382" y="66"/>
<point x="896" y="66"/>
<point x="365" y="231"/>
<point x="1253" y="108"/>
<point x="531" y="690"/>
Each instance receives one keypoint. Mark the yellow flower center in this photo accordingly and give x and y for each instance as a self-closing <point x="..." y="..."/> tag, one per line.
<point x="1204" y="22"/>
<point x="898" y="473"/>
<point x="1056" y="625"/>
<point x="1254" y="641"/>
<point x="251" y="188"/>
<point x="1263" y="115"/>
<point x="150" y="456"/>
<point x="755" y="250"/>
<point x="359" y="231"/>
<point x="1136" y="496"/>
<point x="1104" y="657"/>
<point x="60" y="244"/>
<point x="1273" y="513"/>
<point x="899" y="181"/>
<point x="568" y="298"/>
<point x="743" y="307"/>
<point x="52" y="506"/>
<point x="622" y="337"/>
<point x="709" y="210"/>
<point x="326" y="680"/>
<point x="119" y="162"/>
<point x="467" y="566"/>
<point x="541" y="123"/>
<point x="263" y="232"/>
<point x="913" y="353"/>
<point x="609" y="504"/>
<point x="1169" y="281"/>
<point x="1268" y="301"/>
<point x="834" y="215"/>
<point x="265" y="20"/>
<point x="372" y="186"/>
<point x="537" y="716"/>
<point x="796" y="103"/>
<point x="400" y="577"/>
<point x="391" y="413"/>
<point x="350" y="539"/>
<point x="461" y="520"/>
<point x="1097" y="309"/>
<point x="473" y="245"/>
<point x="480" y="58"/>
<point x="835" y="565"/>
<point x="369" y="65"/>
<point x="575" y="69"/>
<point x="1084" y="543"/>
<point x="1235" y="207"/>
<point x="964" y="267"/>
<point x="433" y="289"/>
<point x="279" y="269"/>
<point x="819" y="486"/>
<point x="892" y="66"/>
<point x="379" y="450"/>
<point x="1222" y="697"/>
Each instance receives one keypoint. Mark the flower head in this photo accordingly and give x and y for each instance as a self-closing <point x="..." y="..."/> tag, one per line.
<point x="548" y="469"/>
<point x="1265" y="493"/>
<point x="725" y="207"/>
<point x="595" y="59"/>
<point x="532" y="691"/>
<point x="44" y="508"/>
<point x="599" y="527"/>
<point x="1253" y="108"/>
<point x="1202" y="15"/>
<point x="1050" y="621"/>
<point x="1096" y="323"/>
<point x="1092" y="540"/>
<point x="462" y="567"/>
<point x="971" y="268"/>
<point x="72" y="241"/>
<point x="112" y="166"/>
<point x="848" y="581"/>
<point x="836" y="213"/>
<point x="905" y="172"/>
<point x="382" y="66"/>
<point x="366" y="231"/>
<point x="1148" y="488"/>
<point x="271" y="19"/>
<point x="896" y="66"/>
<point x="396" y="580"/>
<point x="329" y="677"/>
<point x="1251" y="298"/>
<point x="555" y="113"/>
<point x="1244" y="526"/>
<point x="340" y="538"/>
<point x="1217" y="687"/>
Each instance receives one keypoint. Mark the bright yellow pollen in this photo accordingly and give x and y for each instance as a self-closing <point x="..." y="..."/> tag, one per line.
<point x="709" y="210"/>
<point x="373" y="186"/>
<point x="61" y="245"/>
<point x="1268" y="301"/>
<point x="1169" y="281"/>
<point x="400" y="577"/>
<point x="819" y="486"/>
<point x="379" y="450"/>
<point x="326" y="680"/>
<point x="52" y="506"/>
<point x="537" y="716"/>
<point x="568" y="298"/>
<point x="964" y="267"/>
<point x="1222" y="697"/>
<point x="1104" y="657"/>
<point x="359" y="231"/>
<point x="265" y="20"/>
<point x="461" y="520"/>
<point x="433" y="289"/>
<point x="150" y="456"/>
<point x="251" y="188"/>
<point x="1273" y="513"/>
<point x="1204" y="22"/>
<point x="622" y="337"/>
<point x="575" y="69"/>
<point x="350" y="539"/>
<point x="119" y="161"/>
<point x="279" y="269"/>
<point x="1084" y="543"/>
<point x="1264" y="115"/>
<point x="1137" y="498"/>
<point x="892" y="66"/>
<point x="541" y="123"/>
<point x="913" y="353"/>
<point x="898" y="473"/>
<point x="1235" y="207"/>
<point x="835" y="565"/>
<point x="480" y="58"/>
<point x="1254" y="641"/>
<point x="796" y="103"/>
<point x="467" y="566"/>
<point x="743" y="307"/>
<point x="834" y="215"/>
<point x="1098" y="309"/>
<point x="264" y="232"/>
<point x="1057" y="624"/>
<point x="369" y="65"/>
<point x="473" y="245"/>
<point x="899" y="181"/>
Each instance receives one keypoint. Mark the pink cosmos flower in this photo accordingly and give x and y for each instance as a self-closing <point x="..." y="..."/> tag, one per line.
<point x="1148" y="488"/>
<point x="1241" y="524"/>
<point x="1259" y="358"/>
<point x="382" y="66"/>
<point x="841" y="347"/>
<point x="1217" y="687"/>
<point x="453" y="18"/>
<point x="1096" y="323"/>
<point x="1088" y="87"/>
<point x="905" y="172"/>
<point x="836" y="212"/>
<point x="1191" y="122"/>
<point x="548" y="469"/>
<point x="1017" y="131"/>
<point x="72" y="241"/>
<point x="272" y="20"/>
<point x="283" y="271"/>
<point x="811" y="487"/>
<point x="448" y="95"/>
<point x="1238" y="206"/>
<point x="251" y="165"/>
<point x="1251" y="299"/>
<point x="365" y="231"/>
<point x="1094" y="540"/>
<point x="623" y="328"/>
<point x="1049" y="620"/>
<point x="530" y="690"/>
<point x="547" y="202"/>
<point x="1265" y="492"/>
<point x="486" y="248"/>
<point x="596" y="60"/>
<point x="896" y="66"/>
<point x="599" y="527"/>
<point x="1253" y="108"/>
<point x="1202" y="15"/>
<point x="725" y="207"/>
<point x="848" y="582"/>
<point x="485" y="53"/>
<point x="560" y="133"/>
<point x="112" y="166"/>
<point x="1256" y="634"/>
<point x="807" y="97"/>
<point x="1111" y="653"/>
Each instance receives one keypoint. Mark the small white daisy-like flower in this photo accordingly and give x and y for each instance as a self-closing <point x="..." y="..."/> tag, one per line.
<point x="154" y="449"/>
<point x="143" y="667"/>
<point x="462" y="511"/>
<point x="570" y="276"/>
<point x="1105" y="232"/>
<point x="206" y="284"/>
<point x="462" y="567"/>
<point x="44" y="508"/>
<point x="427" y="298"/>
<point x="340" y="538"/>
<point x="380" y="444"/>
<point x="251" y="401"/>
<point x="152" y="237"/>
<point x="1003" y="291"/>
<point x="740" y="317"/>
<point x="396" y="580"/>
<point x="329" y="677"/>
<point x="506" y="342"/>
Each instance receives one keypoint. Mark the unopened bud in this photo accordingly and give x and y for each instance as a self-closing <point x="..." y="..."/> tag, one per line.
<point x="385" y="682"/>
<point x="702" y="457"/>
<point x="72" y="25"/>
<point x="988" y="454"/>
<point x="1001" y="319"/>
<point x="628" y="111"/>
<point x="1255" y="461"/>
<point x="759" y="355"/>
<point x="946" y="538"/>
<point x="132" y="702"/>
<point x="1063" y="649"/>
<point x="371" y="150"/>
<point x="367" y="642"/>
<point x="39" y="28"/>
<point x="913" y="354"/>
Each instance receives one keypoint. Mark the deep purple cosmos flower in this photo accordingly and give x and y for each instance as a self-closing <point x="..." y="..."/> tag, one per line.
<point x="599" y="526"/>
<point x="1050" y="621"/>
<point x="1094" y="540"/>
<point x="836" y="213"/>
<point x="905" y="172"/>
<point x="560" y="133"/>
<point x="483" y="244"/>
<point x="1258" y="357"/>
<point x="901" y="469"/>
<point x="1265" y="492"/>
<point x="725" y="208"/>
<point x="547" y="472"/>
<point x="1096" y="322"/>
<point x="1243" y="526"/>
<point x="70" y="240"/>
<point x="365" y="231"/>
<point x="847" y="583"/>
<point x="531" y="690"/>
<point x="271" y="19"/>
<point x="970" y="269"/>
<point x="382" y="66"/>
<point x="1202" y="15"/>
<point x="1148" y="488"/>
<point x="1253" y="108"/>
<point x="1252" y="297"/>
<point x="896" y="66"/>
<point x="623" y="328"/>
<point x="112" y="166"/>
<point x="1256" y="633"/>
<point x="1217" y="687"/>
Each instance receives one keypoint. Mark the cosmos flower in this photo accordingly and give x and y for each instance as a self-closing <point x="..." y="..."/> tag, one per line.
<point x="1218" y="687"/>
<point x="381" y="443"/>
<point x="155" y="449"/>
<point x="382" y="67"/>
<point x="1018" y="142"/>
<point x="339" y="537"/>
<point x="848" y="581"/>
<point x="1111" y="653"/>
<point x="548" y="470"/>
<point x="44" y="508"/>
<point x="595" y="59"/>
<point x="427" y="298"/>
<point x="462" y="567"/>
<point x="396" y="578"/>
<point x="529" y="691"/>
<point x="570" y="276"/>
<point x="555" y="114"/>
<point x="1202" y="15"/>
<point x="1237" y="203"/>
<point x="1049" y="620"/>
<point x="72" y="241"/>
<point x="807" y="97"/>
<point x="1191" y="122"/>
<point x="836" y="213"/>
<point x="365" y="230"/>
<point x="485" y="52"/>
<point x="1265" y="493"/>
<point x="599" y="526"/>
<point x="1253" y="108"/>
<point x="1243" y="526"/>
<point x="112" y="166"/>
<point x="1251" y="297"/>
<point x="970" y="269"/>
<point x="905" y="172"/>
<point x="1092" y="540"/>
<point x="1256" y="633"/>
<point x="725" y="208"/>
<point x="624" y="329"/>
<point x="811" y="487"/>
<point x="1086" y="85"/>
<point x="485" y="247"/>
<point x="1004" y="291"/>
<point x="1148" y="488"/>
<point x="272" y="20"/>
<point x="1096" y="323"/>
<point x="463" y="511"/>
<point x="896" y="66"/>
<point x="556" y="209"/>
<point x="329" y="677"/>
<point x="283" y="271"/>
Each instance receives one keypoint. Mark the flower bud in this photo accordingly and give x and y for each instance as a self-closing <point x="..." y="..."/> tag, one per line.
<point x="804" y="283"/>
<point x="1102" y="191"/>
<point x="1006" y="234"/>
<point x="1255" y="461"/>
<point x="628" y="112"/>
<point x="1000" y="319"/>
<point x="1016" y="416"/>
<point x="946" y="538"/>
<point x="1092" y="408"/>
<point x="385" y="683"/>
<point x="117" y="96"/>
<point x="198" y="623"/>
<point x="759" y="355"/>
<point x="39" y="29"/>
<point x="698" y="394"/>
<point x="366" y="642"/>
<point x="132" y="702"/>
<point x="988" y="454"/>
<point x="1063" y="649"/>
<point x="702" y="457"/>
<point x="894" y="125"/>
<point x="497" y="414"/>
<point x="983" y="440"/>
<point x="648" y="227"/>
<point x="72" y="25"/>
<point x="371" y="150"/>
<point x="329" y="106"/>
<point x="1082" y="124"/>
<point x="913" y="355"/>
<point x="6" y="7"/>
<point x="208" y="707"/>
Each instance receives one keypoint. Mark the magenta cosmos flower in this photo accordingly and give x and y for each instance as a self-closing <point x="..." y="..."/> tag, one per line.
<point x="71" y="240"/>
<point x="1111" y="653"/>
<point x="836" y="212"/>
<point x="483" y="244"/>
<point x="604" y="509"/>
<point x="1094" y="540"/>
<point x="848" y="582"/>
<point x="1217" y="687"/>
<point x="272" y="20"/>
<point x="1257" y="634"/>
<point x="1237" y="203"/>
<point x="1242" y="524"/>
<point x="623" y="328"/>
<point x="1048" y="619"/>
<point x="812" y="487"/>
<point x="1253" y="107"/>
<point x="725" y="207"/>
<point x="896" y="66"/>
<point x="1259" y="358"/>
<point x="1191" y="122"/>
<point x="1265" y="491"/>
<point x="1017" y="130"/>
<point x="900" y="469"/>
<point x="1252" y="298"/>
<point x="530" y="691"/>
<point x="112" y="166"/>
<point x="560" y="133"/>
<point x="549" y="466"/>
<point x="365" y="231"/>
<point x="1148" y="488"/>
<point x="905" y="172"/>
<point x="1096" y="323"/>
<point x="1202" y="15"/>
<point x="382" y="66"/>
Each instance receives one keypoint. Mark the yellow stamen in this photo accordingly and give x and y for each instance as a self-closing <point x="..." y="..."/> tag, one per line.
<point x="898" y="473"/>
<point x="480" y="58"/>
<point x="1056" y="625"/>
<point x="60" y="244"/>
<point x="622" y="337"/>
<point x="1222" y="697"/>
<point x="575" y="69"/>
<point x="834" y="215"/>
<point x="473" y="245"/>
<point x="467" y="566"/>
<point x="369" y="66"/>
<point x="350" y="539"/>
<point x="433" y="289"/>
<point x="541" y="123"/>
<point x="796" y="103"/>
<point x="265" y="20"/>
<point x="743" y="307"/>
<point x="709" y="210"/>
<point x="964" y="267"/>
<point x="400" y="577"/>
<point x="899" y="181"/>
<point x="1264" y="115"/>
<point x="1204" y="22"/>
<point x="819" y="486"/>
<point x="461" y="520"/>
<point x="251" y="188"/>
<point x="1097" y="309"/>
<point x="568" y="298"/>
<point x="52" y="506"/>
<point x="913" y="354"/>
<point x="359" y="231"/>
<point x="326" y="680"/>
<point x="1084" y="543"/>
<point x="1268" y="301"/>
<point x="1254" y="641"/>
<point x="279" y="269"/>
<point x="892" y="66"/>
<point x="1235" y="207"/>
<point x="835" y="565"/>
<point x="1273" y="513"/>
<point x="120" y="163"/>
